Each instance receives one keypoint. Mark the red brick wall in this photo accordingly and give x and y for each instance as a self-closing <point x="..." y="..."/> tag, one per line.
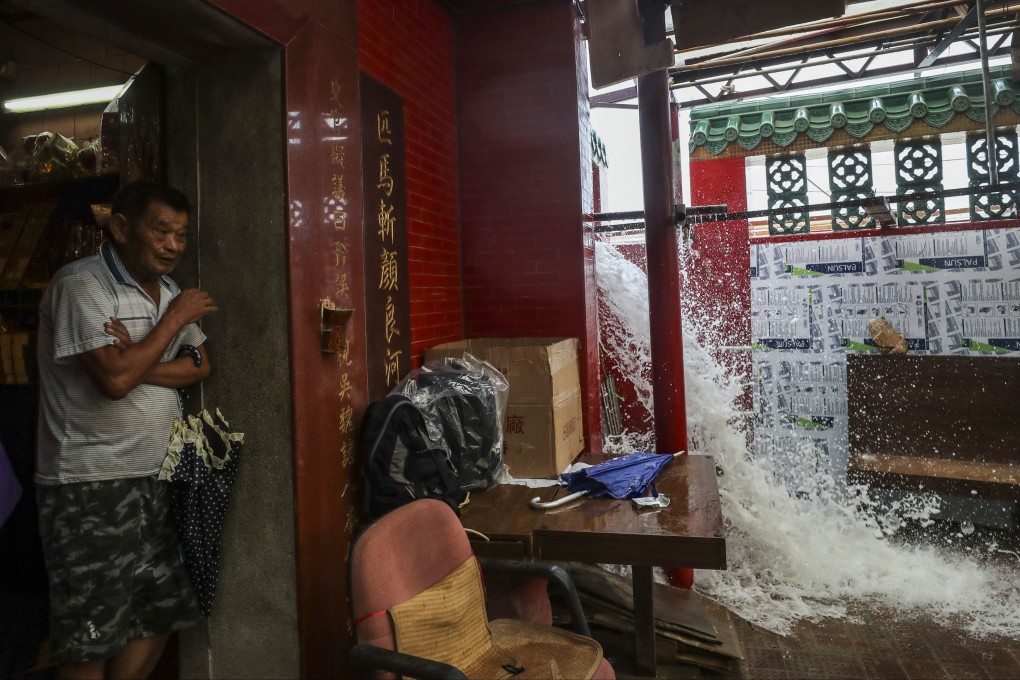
<point x="408" y="46"/>
<point x="526" y="180"/>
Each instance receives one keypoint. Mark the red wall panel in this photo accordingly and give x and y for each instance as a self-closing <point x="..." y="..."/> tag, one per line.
<point x="526" y="182"/>
<point x="408" y="46"/>
<point x="325" y="416"/>
<point x="720" y="279"/>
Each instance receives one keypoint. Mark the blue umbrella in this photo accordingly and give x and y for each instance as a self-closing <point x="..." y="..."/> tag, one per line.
<point x="627" y="476"/>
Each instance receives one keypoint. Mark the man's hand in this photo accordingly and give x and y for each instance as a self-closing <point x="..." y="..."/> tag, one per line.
<point x="190" y="306"/>
<point x="116" y="328"/>
<point x="118" y="368"/>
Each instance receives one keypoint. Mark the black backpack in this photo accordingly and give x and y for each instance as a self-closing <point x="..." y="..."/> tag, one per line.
<point x="401" y="462"/>
<point x="462" y="413"/>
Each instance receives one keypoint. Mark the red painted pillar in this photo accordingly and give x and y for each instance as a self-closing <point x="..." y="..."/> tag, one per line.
<point x="665" y="330"/>
<point x="665" y="327"/>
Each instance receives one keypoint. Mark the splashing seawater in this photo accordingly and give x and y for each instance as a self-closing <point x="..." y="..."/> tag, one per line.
<point x="805" y="555"/>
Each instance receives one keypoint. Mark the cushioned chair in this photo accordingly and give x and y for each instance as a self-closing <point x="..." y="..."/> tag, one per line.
<point x="418" y="607"/>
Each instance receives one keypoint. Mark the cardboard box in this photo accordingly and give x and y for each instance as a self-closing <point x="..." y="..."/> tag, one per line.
<point x="542" y="428"/>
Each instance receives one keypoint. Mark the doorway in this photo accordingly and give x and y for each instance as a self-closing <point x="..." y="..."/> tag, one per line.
<point x="222" y="135"/>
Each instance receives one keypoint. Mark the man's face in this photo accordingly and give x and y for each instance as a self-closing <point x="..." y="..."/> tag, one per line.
<point x="153" y="246"/>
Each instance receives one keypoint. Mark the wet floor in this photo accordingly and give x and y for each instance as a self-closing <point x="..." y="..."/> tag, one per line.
<point x="873" y="643"/>
<point x="879" y="646"/>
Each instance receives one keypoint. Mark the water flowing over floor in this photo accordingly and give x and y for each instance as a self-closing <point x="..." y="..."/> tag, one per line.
<point x="801" y="544"/>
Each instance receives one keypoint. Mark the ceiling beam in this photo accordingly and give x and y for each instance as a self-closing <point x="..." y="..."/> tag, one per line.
<point x="708" y="68"/>
<point x="739" y="94"/>
<point x="847" y="21"/>
<point x="966" y="22"/>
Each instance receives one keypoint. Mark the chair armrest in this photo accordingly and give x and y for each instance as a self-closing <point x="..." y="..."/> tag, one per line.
<point x="379" y="658"/>
<point x="550" y="572"/>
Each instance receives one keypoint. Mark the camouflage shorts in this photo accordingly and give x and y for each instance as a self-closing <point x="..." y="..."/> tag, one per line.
<point x="114" y="566"/>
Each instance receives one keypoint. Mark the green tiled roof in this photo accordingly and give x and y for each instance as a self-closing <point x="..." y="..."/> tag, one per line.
<point x="936" y="101"/>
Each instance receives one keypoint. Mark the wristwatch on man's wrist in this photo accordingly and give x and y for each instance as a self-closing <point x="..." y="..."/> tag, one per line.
<point x="191" y="351"/>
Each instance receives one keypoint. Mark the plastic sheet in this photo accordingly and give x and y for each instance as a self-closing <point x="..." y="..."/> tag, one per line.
<point x="464" y="401"/>
<point x="49" y="157"/>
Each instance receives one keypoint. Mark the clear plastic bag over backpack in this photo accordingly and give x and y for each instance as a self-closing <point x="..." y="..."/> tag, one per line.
<point x="463" y="400"/>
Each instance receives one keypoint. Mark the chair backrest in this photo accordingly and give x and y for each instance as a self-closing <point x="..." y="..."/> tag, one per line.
<point x="403" y="553"/>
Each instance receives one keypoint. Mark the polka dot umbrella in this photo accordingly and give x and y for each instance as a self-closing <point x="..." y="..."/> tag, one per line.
<point x="201" y="464"/>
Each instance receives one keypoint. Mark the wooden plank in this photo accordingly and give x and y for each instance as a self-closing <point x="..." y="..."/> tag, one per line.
<point x="619" y="635"/>
<point x="505" y="550"/>
<point x="384" y="195"/>
<point x="606" y="598"/>
<point x="939" y="475"/>
<point x="616" y="43"/>
<point x="677" y="608"/>
<point x="595" y="607"/>
<point x="710" y="22"/>
<point x="963" y="470"/>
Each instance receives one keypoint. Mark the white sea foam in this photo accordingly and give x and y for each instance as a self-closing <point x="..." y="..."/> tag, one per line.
<point x="799" y="546"/>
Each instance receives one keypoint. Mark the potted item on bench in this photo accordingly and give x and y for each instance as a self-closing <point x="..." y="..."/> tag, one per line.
<point x="886" y="338"/>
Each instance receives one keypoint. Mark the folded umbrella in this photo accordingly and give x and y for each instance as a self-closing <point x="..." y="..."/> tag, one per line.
<point x="622" y="477"/>
<point x="627" y="476"/>
<point x="201" y="464"/>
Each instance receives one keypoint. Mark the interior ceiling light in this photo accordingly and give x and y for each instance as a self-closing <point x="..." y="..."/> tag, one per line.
<point x="60" y="100"/>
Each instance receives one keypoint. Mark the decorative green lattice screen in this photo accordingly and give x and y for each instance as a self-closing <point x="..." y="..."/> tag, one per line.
<point x="787" y="188"/>
<point x="996" y="205"/>
<point x="850" y="177"/>
<point x="918" y="164"/>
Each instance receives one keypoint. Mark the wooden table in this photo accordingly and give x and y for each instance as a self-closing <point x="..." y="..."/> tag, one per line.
<point x="688" y="533"/>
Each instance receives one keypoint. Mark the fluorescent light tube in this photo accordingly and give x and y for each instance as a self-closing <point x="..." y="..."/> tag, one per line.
<point x="61" y="100"/>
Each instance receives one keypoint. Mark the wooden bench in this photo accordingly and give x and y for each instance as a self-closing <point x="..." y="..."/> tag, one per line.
<point x="944" y="424"/>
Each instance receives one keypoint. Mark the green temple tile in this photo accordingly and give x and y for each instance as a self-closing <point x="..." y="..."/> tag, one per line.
<point x="918" y="106"/>
<point x="1002" y="94"/>
<point x="837" y="116"/>
<point x="876" y="110"/>
<point x="732" y="129"/>
<point x="801" y="120"/>
<point x="931" y="102"/>
<point x="958" y="99"/>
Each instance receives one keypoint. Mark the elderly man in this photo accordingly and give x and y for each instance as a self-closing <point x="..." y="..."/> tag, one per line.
<point x="117" y="337"/>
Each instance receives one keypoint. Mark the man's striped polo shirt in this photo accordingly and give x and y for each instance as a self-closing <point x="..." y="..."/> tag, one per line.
<point x="84" y="435"/>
